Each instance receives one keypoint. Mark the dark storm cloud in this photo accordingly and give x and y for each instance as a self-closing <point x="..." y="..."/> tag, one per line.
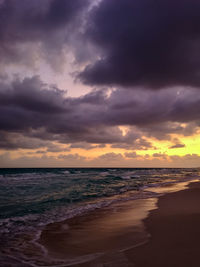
<point x="136" y="44"/>
<point x="145" y="42"/>
<point x="35" y="110"/>
<point x="153" y="109"/>
<point x="13" y="141"/>
<point x="46" y="23"/>
<point x="33" y="95"/>
<point x="28" y="103"/>
<point x="36" y="17"/>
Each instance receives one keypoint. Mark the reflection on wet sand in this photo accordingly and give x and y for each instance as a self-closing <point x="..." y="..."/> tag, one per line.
<point x="103" y="235"/>
<point x="112" y="229"/>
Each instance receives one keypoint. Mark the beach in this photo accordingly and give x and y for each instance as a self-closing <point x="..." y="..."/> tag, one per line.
<point x="175" y="232"/>
<point x="160" y="231"/>
<point x="100" y="235"/>
<point x="99" y="217"/>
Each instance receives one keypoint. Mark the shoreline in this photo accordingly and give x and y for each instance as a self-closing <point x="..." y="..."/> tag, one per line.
<point x="81" y="240"/>
<point x="174" y="230"/>
<point x="99" y="234"/>
<point x="79" y="236"/>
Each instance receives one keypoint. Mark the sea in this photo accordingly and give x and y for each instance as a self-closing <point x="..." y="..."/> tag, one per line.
<point x="31" y="198"/>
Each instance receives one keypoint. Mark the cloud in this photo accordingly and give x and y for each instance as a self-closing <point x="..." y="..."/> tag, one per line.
<point x="152" y="44"/>
<point x="134" y="144"/>
<point x="106" y="160"/>
<point x="37" y="28"/>
<point x="122" y="47"/>
<point x="56" y="148"/>
<point x="14" y="141"/>
<point x="126" y="43"/>
<point x="35" y="110"/>
<point x="86" y="146"/>
<point x="70" y="160"/>
<point x="177" y="146"/>
<point x="110" y="156"/>
<point x="131" y="155"/>
<point x="72" y="157"/>
<point x="160" y="155"/>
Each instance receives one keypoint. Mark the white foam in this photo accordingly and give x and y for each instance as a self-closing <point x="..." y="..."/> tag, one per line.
<point x="66" y="172"/>
<point x="34" y="224"/>
<point x="104" y="173"/>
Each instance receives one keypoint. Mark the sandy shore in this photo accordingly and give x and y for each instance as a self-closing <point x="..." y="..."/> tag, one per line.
<point x="125" y="236"/>
<point x="175" y="232"/>
<point x="99" y="235"/>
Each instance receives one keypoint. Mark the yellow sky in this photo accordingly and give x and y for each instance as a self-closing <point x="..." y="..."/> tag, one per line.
<point x="159" y="155"/>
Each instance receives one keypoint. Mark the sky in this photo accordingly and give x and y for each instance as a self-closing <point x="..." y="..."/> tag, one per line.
<point x="99" y="83"/>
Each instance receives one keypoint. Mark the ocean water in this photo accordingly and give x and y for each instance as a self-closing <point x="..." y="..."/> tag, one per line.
<point x="32" y="198"/>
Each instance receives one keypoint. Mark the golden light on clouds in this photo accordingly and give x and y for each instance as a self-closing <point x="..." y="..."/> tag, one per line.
<point x="162" y="151"/>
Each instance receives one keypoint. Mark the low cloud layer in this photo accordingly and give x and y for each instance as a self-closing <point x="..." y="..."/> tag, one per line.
<point x="106" y="160"/>
<point x="33" y="109"/>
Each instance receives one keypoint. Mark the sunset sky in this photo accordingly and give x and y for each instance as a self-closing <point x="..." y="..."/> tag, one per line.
<point x="100" y="83"/>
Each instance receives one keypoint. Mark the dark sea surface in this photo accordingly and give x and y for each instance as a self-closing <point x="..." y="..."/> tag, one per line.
<point x="33" y="198"/>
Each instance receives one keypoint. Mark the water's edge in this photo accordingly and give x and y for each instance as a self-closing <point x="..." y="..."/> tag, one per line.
<point x="20" y="235"/>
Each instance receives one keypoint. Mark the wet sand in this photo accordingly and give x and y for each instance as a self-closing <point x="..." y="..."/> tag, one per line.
<point x="99" y="235"/>
<point x="175" y="232"/>
<point x="125" y="236"/>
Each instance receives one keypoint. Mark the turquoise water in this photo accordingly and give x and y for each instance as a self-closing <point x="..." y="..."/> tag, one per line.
<point x="25" y="192"/>
<point x="32" y="198"/>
